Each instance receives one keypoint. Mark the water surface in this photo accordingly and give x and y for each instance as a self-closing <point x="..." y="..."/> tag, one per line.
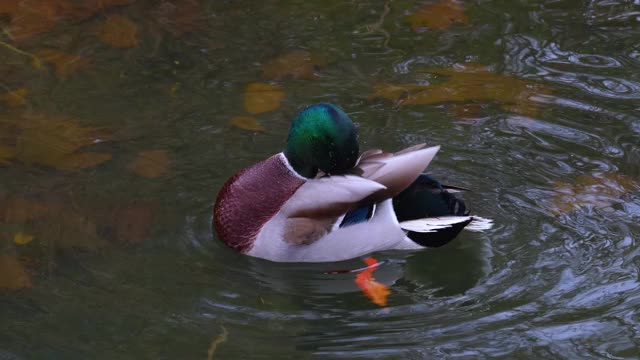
<point x="123" y="263"/>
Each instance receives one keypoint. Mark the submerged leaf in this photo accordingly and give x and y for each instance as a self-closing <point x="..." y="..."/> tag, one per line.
<point x="9" y="6"/>
<point x="22" y="238"/>
<point x="298" y="64"/>
<point x="79" y="161"/>
<point x="15" y="98"/>
<point x="33" y="17"/>
<point x="598" y="190"/>
<point x="260" y="97"/>
<point x="118" y="31"/>
<point x="6" y="153"/>
<point x="82" y="10"/>
<point x="65" y="227"/>
<point x="466" y="84"/>
<point x="133" y="223"/>
<point x="51" y="222"/>
<point x="65" y="64"/>
<point x="13" y="274"/>
<point x="151" y="163"/>
<point x="56" y="142"/>
<point x="438" y="16"/>
<point x="375" y="291"/>
<point x="16" y="209"/>
<point x="247" y="123"/>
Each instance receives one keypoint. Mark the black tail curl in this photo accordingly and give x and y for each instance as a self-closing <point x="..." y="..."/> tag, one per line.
<point x="426" y="197"/>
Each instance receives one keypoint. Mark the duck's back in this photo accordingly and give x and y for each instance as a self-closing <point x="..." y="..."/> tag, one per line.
<point x="252" y="197"/>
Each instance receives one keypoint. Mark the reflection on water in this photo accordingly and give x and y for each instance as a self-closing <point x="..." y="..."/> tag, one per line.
<point x="115" y="139"/>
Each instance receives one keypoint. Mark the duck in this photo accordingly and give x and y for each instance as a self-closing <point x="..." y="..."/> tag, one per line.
<point x="320" y="200"/>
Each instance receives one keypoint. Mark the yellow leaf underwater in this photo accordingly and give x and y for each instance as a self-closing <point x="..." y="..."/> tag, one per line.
<point x="13" y="274"/>
<point x="56" y="143"/>
<point x="64" y="64"/>
<point x="22" y="238"/>
<point x="15" y="98"/>
<point x="120" y="32"/>
<point x="260" y="97"/>
<point x="151" y="163"/>
<point x="598" y="190"/>
<point x="438" y="16"/>
<point x="247" y="123"/>
<point x="466" y="84"/>
<point x="298" y="64"/>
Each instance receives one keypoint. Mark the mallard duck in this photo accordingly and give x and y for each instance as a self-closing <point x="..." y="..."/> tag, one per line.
<point x="319" y="201"/>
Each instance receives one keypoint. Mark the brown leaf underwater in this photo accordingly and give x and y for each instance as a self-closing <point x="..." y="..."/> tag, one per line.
<point x="133" y="223"/>
<point x="29" y="18"/>
<point x="32" y="17"/>
<point x="58" y="223"/>
<point x="119" y="32"/>
<point x="13" y="274"/>
<point x="16" y="209"/>
<point x="298" y="64"/>
<point x="15" y="98"/>
<point x="596" y="190"/>
<point x="55" y="223"/>
<point x="64" y="64"/>
<point x="6" y="154"/>
<point x="261" y="97"/>
<point x="151" y="163"/>
<point x="465" y="84"/>
<point x="438" y="16"/>
<point x="53" y="142"/>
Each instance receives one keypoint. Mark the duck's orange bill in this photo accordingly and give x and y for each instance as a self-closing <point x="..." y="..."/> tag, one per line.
<point x="374" y="290"/>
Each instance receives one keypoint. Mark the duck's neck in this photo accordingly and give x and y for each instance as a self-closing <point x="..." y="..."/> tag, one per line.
<point x="302" y="169"/>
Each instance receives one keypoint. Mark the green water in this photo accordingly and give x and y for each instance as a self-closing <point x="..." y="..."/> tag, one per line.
<point x="124" y="266"/>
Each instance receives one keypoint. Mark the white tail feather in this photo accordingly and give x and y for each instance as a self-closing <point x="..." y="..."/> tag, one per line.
<point x="434" y="224"/>
<point x="479" y="224"/>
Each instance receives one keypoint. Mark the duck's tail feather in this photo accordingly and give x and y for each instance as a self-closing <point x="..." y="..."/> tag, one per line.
<point x="479" y="224"/>
<point x="426" y="197"/>
<point x="433" y="224"/>
<point x="432" y="215"/>
<point x="438" y="231"/>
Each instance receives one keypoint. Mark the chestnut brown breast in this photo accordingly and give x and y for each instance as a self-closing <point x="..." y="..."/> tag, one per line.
<point x="251" y="198"/>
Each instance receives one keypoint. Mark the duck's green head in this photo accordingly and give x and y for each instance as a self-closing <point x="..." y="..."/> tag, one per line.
<point x="322" y="137"/>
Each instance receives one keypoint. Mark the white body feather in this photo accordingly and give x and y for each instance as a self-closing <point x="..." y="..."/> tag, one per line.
<point x="381" y="232"/>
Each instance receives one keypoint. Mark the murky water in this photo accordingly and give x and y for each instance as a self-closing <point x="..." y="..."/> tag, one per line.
<point x="538" y="113"/>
